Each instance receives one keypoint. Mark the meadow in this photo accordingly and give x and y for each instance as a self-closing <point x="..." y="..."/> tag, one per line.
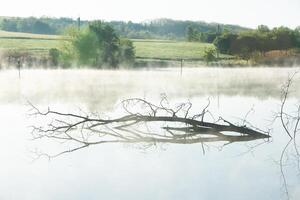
<point x="170" y="50"/>
<point x="145" y="49"/>
<point x="31" y="43"/>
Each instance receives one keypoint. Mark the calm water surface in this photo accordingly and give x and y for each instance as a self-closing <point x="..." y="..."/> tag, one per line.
<point x="167" y="172"/>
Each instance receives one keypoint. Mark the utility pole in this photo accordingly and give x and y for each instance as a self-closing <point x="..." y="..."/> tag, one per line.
<point x="218" y="34"/>
<point x="78" y="23"/>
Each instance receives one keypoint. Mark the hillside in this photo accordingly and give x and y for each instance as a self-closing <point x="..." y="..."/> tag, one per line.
<point x="152" y="29"/>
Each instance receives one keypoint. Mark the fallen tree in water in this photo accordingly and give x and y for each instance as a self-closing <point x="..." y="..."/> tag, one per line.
<point x="141" y="122"/>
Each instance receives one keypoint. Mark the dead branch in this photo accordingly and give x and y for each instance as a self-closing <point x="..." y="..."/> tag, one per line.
<point x="290" y="123"/>
<point x="142" y="123"/>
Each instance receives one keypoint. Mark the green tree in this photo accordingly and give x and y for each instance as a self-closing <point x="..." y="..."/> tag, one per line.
<point x="54" y="56"/>
<point x="223" y="43"/>
<point x="244" y="43"/>
<point x="87" y="49"/>
<point x="263" y="29"/>
<point x="96" y="45"/>
<point x="67" y="50"/>
<point x="192" y="34"/>
<point x="108" y="41"/>
<point x="283" y="38"/>
<point x="296" y="37"/>
<point x="127" y="52"/>
<point x="209" y="55"/>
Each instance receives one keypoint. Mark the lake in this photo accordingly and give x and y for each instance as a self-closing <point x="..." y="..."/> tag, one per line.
<point x="245" y="170"/>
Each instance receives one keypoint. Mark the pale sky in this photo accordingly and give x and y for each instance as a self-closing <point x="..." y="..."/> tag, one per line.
<point x="249" y="13"/>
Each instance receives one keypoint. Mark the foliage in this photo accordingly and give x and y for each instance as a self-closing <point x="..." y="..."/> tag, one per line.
<point x="54" y="56"/>
<point x="154" y="29"/>
<point x="86" y="47"/>
<point x="29" y="25"/>
<point x="97" y="45"/>
<point x="193" y="34"/>
<point x="67" y="48"/>
<point x="127" y="51"/>
<point x="209" y="54"/>
<point x="107" y="41"/>
<point x="260" y="40"/>
<point x="223" y="42"/>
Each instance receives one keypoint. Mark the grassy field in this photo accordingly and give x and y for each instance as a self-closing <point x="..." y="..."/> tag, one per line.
<point x="145" y="49"/>
<point x="16" y="35"/>
<point x="32" y="43"/>
<point x="170" y="49"/>
<point x="158" y="49"/>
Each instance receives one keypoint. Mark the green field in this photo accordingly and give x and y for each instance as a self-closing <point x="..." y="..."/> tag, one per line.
<point x="32" y="43"/>
<point x="170" y="49"/>
<point x="145" y="49"/>
<point x="5" y="34"/>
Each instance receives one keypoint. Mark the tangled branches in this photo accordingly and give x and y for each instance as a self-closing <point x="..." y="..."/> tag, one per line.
<point x="141" y="122"/>
<point x="290" y="122"/>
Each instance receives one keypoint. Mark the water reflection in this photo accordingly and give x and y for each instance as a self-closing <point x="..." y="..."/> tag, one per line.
<point x="121" y="172"/>
<point x="143" y="123"/>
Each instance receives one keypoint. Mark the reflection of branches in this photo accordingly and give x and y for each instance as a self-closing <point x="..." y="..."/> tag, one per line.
<point x="290" y="124"/>
<point x="143" y="123"/>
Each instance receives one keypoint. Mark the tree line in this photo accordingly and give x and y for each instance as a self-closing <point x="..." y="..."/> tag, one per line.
<point x="260" y="40"/>
<point x="154" y="29"/>
<point x="43" y="25"/>
<point x="194" y="35"/>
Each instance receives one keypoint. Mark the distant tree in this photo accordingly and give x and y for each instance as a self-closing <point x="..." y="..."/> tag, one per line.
<point x="108" y="40"/>
<point x="223" y="43"/>
<point x="86" y="46"/>
<point x="244" y="46"/>
<point x="42" y="28"/>
<point x="258" y="41"/>
<point x="263" y="29"/>
<point x="283" y="37"/>
<point x="9" y="25"/>
<point x="127" y="52"/>
<point x="54" y="56"/>
<point x="159" y="29"/>
<point x="97" y="45"/>
<point x="210" y="37"/>
<point x="265" y="42"/>
<point x="192" y="34"/>
<point x="209" y="55"/>
<point x="296" y="37"/>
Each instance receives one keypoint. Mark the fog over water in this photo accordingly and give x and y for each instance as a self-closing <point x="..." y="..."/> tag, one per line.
<point x="166" y="172"/>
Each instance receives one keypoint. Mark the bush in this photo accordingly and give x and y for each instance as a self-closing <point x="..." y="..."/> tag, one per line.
<point x="54" y="56"/>
<point x="209" y="54"/>
<point x="127" y="52"/>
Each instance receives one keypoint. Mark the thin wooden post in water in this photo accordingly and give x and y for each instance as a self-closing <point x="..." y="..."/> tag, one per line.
<point x="181" y="66"/>
<point x="19" y="67"/>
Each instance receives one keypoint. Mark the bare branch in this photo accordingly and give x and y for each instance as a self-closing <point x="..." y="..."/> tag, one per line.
<point x="145" y="123"/>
